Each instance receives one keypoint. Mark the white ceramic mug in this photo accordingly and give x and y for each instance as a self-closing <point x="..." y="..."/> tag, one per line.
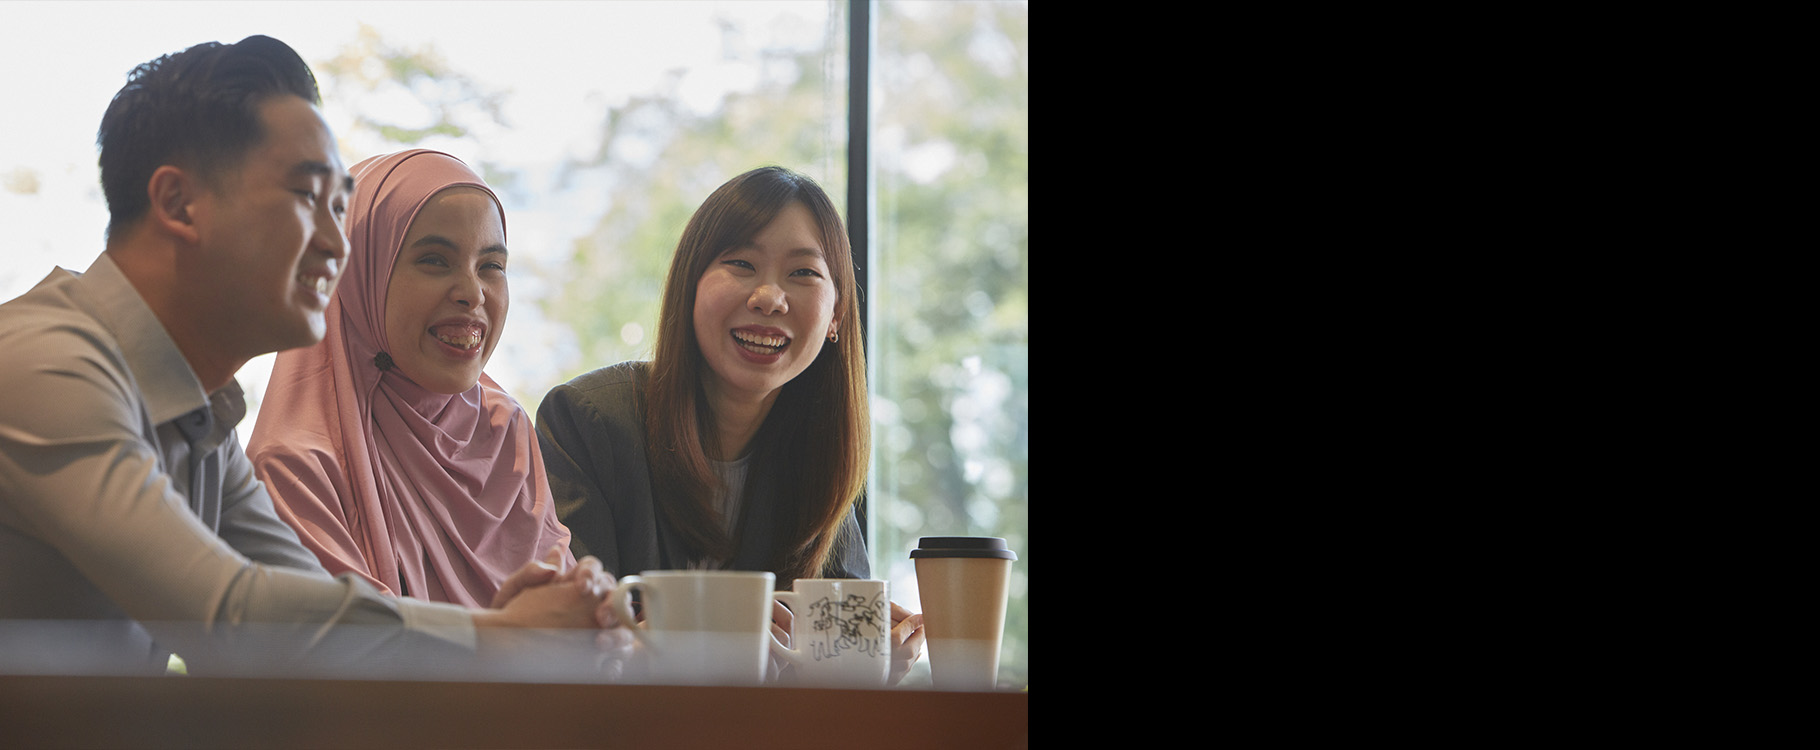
<point x="841" y="630"/>
<point x="701" y="627"/>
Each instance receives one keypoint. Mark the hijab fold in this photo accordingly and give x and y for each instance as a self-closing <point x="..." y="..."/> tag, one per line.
<point x="433" y="495"/>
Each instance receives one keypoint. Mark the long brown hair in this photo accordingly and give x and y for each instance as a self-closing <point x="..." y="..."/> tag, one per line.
<point x="814" y="444"/>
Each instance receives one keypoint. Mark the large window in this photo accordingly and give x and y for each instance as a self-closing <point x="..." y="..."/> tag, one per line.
<point x="602" y="125"/>
<point x="949" y="285"/>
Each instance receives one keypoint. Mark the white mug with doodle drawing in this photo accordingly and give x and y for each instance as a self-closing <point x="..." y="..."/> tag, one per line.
<point x="840" y="630"/>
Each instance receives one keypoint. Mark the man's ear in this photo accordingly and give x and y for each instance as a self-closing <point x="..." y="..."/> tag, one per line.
<point x="173" y="193"/>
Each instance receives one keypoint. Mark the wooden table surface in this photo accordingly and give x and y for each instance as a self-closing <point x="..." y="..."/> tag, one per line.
<point x="192" y="711"/>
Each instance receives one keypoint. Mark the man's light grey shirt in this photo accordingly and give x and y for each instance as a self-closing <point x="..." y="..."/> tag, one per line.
<point x="130" y="514"/>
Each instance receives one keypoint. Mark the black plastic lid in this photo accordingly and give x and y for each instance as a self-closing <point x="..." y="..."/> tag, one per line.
<point x="962" y="546"/>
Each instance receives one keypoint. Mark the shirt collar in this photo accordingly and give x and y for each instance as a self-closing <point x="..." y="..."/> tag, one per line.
<point x="166" y="382"/>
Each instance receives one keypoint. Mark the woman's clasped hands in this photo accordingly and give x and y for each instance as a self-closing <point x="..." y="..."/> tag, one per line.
<point x="542" y="595"/>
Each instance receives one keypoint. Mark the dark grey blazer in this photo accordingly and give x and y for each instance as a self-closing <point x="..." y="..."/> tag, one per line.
<point x="591" y="431"/>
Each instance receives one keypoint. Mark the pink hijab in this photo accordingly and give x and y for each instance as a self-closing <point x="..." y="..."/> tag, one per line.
<point x="437" y="496"/>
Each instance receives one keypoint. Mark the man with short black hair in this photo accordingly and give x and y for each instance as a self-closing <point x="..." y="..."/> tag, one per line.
<point x="131" y="522"/>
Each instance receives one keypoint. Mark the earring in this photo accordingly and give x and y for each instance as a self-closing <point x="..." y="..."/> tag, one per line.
<point x="833" y="338"/>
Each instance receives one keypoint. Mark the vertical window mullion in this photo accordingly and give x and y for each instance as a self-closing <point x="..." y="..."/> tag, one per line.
<point x="859" y="204"/>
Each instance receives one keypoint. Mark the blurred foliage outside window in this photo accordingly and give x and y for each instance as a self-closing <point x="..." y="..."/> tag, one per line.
<point x="949" y="286"/>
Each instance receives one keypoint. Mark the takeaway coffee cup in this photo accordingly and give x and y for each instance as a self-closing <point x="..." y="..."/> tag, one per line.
<point x="841" y="630"/>
<point x="701" y="627"/>
<point x="963" y="583"/>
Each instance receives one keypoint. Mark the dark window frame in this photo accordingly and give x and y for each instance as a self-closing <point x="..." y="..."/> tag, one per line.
<point x="859" y="170"/>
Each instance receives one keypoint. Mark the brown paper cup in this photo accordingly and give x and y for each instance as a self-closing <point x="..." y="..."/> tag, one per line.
<point x="963" y="584"/>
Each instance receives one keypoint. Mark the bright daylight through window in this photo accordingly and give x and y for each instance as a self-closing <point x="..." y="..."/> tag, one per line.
<point x="602" y="126"/>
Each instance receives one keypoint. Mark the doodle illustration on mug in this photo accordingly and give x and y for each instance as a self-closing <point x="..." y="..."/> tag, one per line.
<point x="854" y="623"/>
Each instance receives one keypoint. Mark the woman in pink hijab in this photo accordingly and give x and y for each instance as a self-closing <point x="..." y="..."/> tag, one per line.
<point x="385" y="445"/>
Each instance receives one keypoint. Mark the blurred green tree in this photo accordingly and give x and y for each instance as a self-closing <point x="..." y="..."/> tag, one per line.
<point x="950" y="340"/>
<point x="403" y="96"/>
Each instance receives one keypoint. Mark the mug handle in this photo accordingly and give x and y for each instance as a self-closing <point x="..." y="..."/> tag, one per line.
<point x="794" y="656"/>
<point x="621" y="602"/>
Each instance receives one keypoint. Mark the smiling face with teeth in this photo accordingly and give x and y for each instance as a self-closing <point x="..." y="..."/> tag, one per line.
<point x="764" y="308"/>
<point x="268" y="241"/>
<point x="446" y="303"/>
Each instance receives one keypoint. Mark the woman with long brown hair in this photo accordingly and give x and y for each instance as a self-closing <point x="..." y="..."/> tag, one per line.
<point x="743" y="443"/>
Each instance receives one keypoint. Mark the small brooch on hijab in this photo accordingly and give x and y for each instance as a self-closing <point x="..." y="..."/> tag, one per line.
<point x="383" y="361"/>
